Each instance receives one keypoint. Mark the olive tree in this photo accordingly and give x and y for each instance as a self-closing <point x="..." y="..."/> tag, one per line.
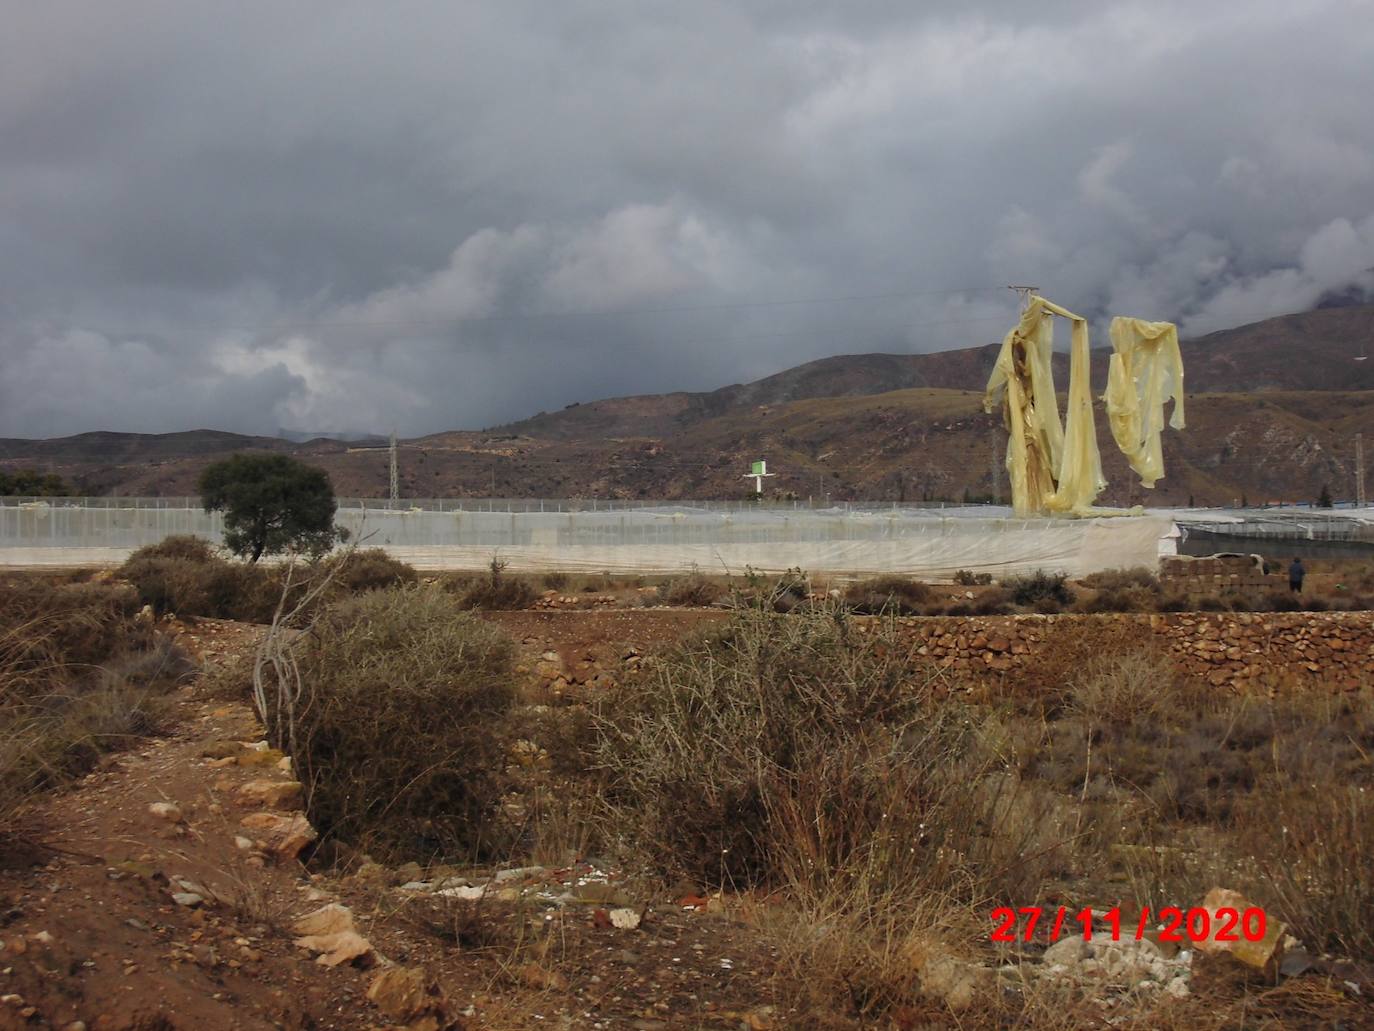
<point x="271" y="503"/>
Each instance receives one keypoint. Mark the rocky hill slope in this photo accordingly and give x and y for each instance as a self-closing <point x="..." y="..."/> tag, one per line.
<point x="1272" y="409"/>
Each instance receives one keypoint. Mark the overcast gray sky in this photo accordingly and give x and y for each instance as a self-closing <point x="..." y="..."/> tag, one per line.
<point x="353" y="216"/>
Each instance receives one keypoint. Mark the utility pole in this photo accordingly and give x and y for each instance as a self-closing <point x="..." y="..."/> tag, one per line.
<point x="395" y="477"/>
<point x="996" y="440"/>
<point x="1359" y="470"/>
<point x="1025" y="292"/>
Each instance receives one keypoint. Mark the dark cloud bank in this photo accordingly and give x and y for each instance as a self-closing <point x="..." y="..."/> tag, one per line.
<point x="436" y="215"/>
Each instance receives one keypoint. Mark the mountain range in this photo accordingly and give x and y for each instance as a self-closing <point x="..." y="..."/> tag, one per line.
<point x="1273" y="409"/>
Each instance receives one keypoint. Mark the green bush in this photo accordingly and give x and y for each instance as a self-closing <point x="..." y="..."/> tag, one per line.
<point x="400" y="736"/>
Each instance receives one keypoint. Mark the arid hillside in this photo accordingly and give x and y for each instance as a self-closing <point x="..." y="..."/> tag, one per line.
<point x="1272" y="412"/>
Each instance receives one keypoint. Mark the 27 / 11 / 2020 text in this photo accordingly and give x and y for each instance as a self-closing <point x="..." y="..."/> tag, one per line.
<point x="1175" y="925"/>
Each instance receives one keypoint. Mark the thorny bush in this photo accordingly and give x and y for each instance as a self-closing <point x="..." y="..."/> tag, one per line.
<point x="399" y="732"/>
<point x="795" y="751"/>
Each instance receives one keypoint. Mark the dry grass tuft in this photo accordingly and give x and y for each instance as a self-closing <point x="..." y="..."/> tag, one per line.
<point x="80" y="676"/>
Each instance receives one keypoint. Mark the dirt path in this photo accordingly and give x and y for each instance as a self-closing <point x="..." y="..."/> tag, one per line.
<point x="95" y="938"/>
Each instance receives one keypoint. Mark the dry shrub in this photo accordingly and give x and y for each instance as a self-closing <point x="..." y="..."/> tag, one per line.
<point x="69" y="624"/>
<point x="184" y="575"/>
<point x="1279" y="601"/>
<point x="1070" y="645"/>
<point x="368" y="569"/>
<point x="80" y="676"/>
<point x="497" y="591"/>
<point x="1314" y="847"/>
<point x="181" y="546"/>
<point x="968" y="578"/>
<point x="1130" y="598"/>
<point x="1030" y="588"/>
<point x="400" y="730"/>
<point x="1130" y="686"/>
<point x="791" y="752"/>
<point x="1121" y="579"/>
<point x="690" y="591"/>
<point x="556" y="581"/>
<point x="893" y="595"/>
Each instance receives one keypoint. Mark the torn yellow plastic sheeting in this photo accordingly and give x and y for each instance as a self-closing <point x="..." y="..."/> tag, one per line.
<point x="1053" y="467"/>
<point x="1146" y="371"/>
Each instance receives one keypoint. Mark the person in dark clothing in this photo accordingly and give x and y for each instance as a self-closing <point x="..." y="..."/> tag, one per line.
<point x="1295" y="574"/>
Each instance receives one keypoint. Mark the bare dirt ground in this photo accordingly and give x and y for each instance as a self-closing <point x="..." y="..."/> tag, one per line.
<point x="93" y="938"/>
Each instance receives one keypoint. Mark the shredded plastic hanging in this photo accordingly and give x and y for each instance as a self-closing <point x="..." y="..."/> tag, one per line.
<point x="1053" y="467"/>
<point x="1146" y="371"/>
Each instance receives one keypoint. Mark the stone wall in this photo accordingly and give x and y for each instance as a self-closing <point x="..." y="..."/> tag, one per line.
<point x="1217" y="575"/>
<point x="1245" y="649"/>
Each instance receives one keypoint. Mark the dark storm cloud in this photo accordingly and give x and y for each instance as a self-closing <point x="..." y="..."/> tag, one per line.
<point x="429" y="215"/>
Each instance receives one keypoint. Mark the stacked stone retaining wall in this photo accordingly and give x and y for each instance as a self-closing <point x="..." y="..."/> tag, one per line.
<point x="1244" y="649"/>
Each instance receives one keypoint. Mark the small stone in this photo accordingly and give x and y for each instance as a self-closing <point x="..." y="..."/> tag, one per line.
<point x="1265" y="956"/>
<point x="274" y="794"/>
<point x="400" y="993"/>
<point x="165" y="811"/>
<point x="625" y="919"/>
<point x="189" y="899"/>
<point x="283" y="836"/>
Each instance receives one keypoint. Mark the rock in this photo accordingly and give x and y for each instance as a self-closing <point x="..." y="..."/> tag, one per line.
<point x="275" y="794"/>
<point x="1295" y="962"/>
<point x="400" y="993"/>
<point x="284" y="836"/>
<point x="1264" y="956"/>
<point x="165" y="811"/>
<point x="259" y="757"/>
<point x="518" y="874"/>
<point x="1067" y="952"/>
<point x="243" y="844"/>
<point x="625" y="919"/>
<point x="189" y="899"/>
<point x="331" y="919"/>
<point x="329" y="931"/>
<point x="956" y="982"/>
